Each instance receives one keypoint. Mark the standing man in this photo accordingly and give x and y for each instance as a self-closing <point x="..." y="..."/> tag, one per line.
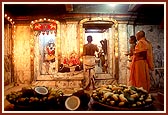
<point x="141" y="63"/>
<point x="89" y="50"/>
<point x="132" y="42"/>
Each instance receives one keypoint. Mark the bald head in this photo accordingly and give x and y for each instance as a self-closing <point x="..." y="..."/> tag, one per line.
<point x="140" y="34"/>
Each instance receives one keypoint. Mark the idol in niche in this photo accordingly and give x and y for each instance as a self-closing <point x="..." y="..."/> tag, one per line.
<point x="50" y="48"/>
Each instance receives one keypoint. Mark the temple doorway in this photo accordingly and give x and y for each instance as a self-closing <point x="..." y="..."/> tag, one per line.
<point x="100" y="40"/>
<point x="104" y="32"/>
<point x="100" y="31"/>
<point x="105" y="28"/>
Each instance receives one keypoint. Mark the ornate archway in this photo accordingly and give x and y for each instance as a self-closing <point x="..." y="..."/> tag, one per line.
<point x="112" y="43"/>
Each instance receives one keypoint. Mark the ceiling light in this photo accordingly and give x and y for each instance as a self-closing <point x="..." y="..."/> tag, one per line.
<point x="112" y="5"/>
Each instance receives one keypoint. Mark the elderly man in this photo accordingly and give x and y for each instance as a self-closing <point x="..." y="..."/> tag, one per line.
<point x="142" y="62"/>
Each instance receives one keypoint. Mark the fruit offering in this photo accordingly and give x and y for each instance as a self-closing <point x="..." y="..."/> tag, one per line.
<point x="28" y="96"/>
<point x="122" y="96"/>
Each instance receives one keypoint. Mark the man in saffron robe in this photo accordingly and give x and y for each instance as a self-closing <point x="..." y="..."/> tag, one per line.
<point x="142" y="63"/>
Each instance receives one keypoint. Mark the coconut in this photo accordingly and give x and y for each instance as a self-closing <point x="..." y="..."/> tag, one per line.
<point x="84" y="97"/>
<point x="72" y="103"/>
<point x="41" y="90"/>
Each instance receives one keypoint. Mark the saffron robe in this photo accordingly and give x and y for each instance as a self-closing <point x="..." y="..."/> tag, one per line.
<point x="141" y="63"/>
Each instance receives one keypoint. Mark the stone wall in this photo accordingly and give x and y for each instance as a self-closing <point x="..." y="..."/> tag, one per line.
<point x="156" y="36"/>
<point x="122" y="49"/>
<point x="8" y="67"/>
<point x="22" y="65"/>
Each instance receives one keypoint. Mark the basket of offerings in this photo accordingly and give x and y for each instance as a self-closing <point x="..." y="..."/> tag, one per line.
<point x="122" y="97"/>
<point x="35" y="97"/>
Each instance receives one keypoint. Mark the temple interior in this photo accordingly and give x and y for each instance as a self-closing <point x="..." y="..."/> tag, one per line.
<point x="43" y="44"/>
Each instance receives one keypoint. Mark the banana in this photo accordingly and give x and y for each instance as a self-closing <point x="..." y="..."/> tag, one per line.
<point x="122" y="98"/>
<point x="121" y="103"/>
<point x="115" y="97"/>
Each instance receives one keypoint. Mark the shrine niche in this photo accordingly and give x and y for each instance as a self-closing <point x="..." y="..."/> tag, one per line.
<point x="46" y="43"/>
<point x="53" y="56"/>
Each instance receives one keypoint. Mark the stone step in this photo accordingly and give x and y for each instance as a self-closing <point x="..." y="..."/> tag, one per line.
<point x="103" y="76"/>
